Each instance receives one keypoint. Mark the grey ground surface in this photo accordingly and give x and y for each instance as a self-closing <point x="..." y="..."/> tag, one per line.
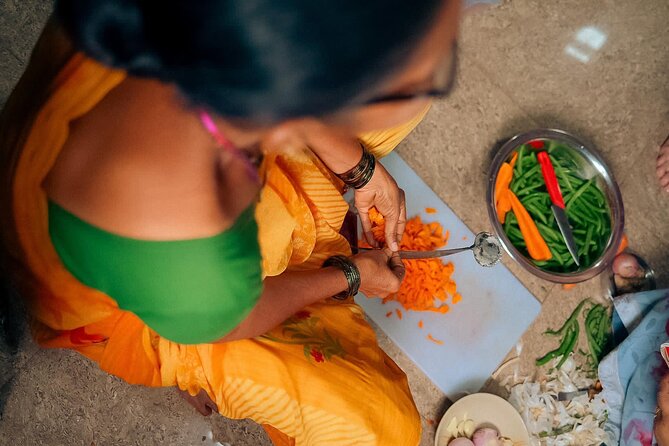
<point x="514" y="76"/>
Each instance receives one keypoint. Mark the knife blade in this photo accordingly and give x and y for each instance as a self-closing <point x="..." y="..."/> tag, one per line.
<point x="558" y="206"/>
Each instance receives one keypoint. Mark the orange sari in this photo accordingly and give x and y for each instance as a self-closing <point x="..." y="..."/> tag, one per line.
<point x="317" y="379"/>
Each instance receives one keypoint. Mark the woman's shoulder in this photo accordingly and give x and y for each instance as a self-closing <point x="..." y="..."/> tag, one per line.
<point x="138" y="165"/>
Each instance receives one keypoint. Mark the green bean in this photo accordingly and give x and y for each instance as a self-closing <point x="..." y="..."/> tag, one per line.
<point x="532" y="209"/>
<point x="528" y="189"/>
<point x="585" y="208"/>
<point x="573" y="316"/>
<point x="578" y="192"/>
<point x="555" y="254"/>
<point x="529" y="173"/>
<point x="535" y="198"/>
<point x="588" y="237"/>
<point x="547" y="357"/>
<point x="575" y="212"/>
<point x="516" y="233"/>
<point x="519" y="161"/>
<point x="572" y="339"/>
<point x="552" y="233"/>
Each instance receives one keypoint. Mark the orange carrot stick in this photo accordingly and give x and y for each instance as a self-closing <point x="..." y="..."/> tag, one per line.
<point x="436" y="341"/>
<point x="536" y="245"/>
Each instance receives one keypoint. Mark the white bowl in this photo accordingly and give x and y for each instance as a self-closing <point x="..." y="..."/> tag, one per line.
<point x="486" y="410"/>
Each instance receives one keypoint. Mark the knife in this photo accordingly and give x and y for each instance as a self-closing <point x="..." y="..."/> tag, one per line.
<point x="558" y="204"/>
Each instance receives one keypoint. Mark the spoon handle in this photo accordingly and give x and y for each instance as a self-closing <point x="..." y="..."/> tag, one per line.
<point x="432" y="254"/>
<point x="427" y="254"/>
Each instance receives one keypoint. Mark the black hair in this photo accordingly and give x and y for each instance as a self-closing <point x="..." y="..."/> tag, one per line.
<point x="258" y="59"/>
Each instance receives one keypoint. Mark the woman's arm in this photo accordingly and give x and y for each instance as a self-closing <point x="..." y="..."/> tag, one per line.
<point x="286" y="294"/>
<point x="381" y="273"/>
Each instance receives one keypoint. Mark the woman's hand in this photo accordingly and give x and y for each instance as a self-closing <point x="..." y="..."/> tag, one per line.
<point x="340" y="152"/>
<point x="381" y="272"/>
<point x="383" y="193"/>
<point x="662" y="415"/>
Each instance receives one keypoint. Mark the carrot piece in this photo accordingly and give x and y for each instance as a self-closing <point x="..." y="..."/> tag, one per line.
<point x="430" y="211"/>
<point x="568" y="286"/>
<point x="502" y="202"/>
<point x="513" y="159"/>
<point x="388" y="314"/>
<point x="436" y="341"/>
<point x="420" y="323"/>
<point x="624" y="243"/>
<point x="503" y="205"/>
<point x="456" y="298"/>
<point x="399" y="313"/>
<point x="536" y="245"/>
<point x="504" y="177"/>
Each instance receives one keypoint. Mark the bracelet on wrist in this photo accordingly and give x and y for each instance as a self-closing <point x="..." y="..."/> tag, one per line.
<point x="351" y="272"/>
<point x="362" y="173"/>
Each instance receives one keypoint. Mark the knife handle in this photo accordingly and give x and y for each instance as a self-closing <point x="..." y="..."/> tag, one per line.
<point x="551" y="180"/>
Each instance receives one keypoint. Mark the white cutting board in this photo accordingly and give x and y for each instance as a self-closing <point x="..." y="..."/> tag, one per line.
<point x="479" y="331"/>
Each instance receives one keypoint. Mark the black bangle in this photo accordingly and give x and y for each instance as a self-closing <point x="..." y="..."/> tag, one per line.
<point x="350" y="271"/>
<point x="362" y="173"/>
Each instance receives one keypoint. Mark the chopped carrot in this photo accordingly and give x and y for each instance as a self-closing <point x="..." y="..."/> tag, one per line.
<point x="568" y="286"/>
<point x="388" y="314"/>
<point x="464" y="237"/>
<point x="436" y="341"/>
<point x="430" y="211"/>
<point x="427" y="283"/>
<point x="399" y="313"/>
<point x="624" y="243"/>
<point x="420" y="323"/>
<point x="456" y="298"/>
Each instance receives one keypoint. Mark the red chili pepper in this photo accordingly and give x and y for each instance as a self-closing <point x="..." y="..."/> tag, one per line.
<point x="536" y="144"/>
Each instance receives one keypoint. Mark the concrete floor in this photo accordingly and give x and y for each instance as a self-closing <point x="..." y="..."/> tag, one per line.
<point x="515" y="75"/>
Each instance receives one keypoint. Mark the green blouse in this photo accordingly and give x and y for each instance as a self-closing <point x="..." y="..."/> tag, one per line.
<point x="189" y="291"/>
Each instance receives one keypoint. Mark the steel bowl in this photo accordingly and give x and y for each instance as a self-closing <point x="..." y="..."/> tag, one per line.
<point x="591" y="165"/>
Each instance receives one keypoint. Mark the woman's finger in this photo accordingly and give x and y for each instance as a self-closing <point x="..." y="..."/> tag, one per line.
<point x="367" y="227"/>
<point x="397" y="266"/>
<point x="391" y="231"/>
<point x="402" y="221"/>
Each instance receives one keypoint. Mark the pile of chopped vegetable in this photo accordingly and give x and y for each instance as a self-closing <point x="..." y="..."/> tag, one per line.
<point x="577" y="421"/>
<point x="524" y="207"/>
<point x="426" y="280"/>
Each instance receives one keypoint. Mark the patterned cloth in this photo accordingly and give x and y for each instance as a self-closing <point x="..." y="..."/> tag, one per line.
<point x="320" y="378"/>
<point x="631" y="373"/>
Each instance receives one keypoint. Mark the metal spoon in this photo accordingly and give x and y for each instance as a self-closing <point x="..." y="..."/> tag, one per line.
<point x="487" y="250"/>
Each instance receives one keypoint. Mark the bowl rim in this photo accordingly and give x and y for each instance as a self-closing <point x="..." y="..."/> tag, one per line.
<point x="597" y="162"/>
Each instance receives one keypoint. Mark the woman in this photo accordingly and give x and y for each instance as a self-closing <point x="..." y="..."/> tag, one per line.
<point x="634" y="375"/>
<point x="140" y="207"/>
